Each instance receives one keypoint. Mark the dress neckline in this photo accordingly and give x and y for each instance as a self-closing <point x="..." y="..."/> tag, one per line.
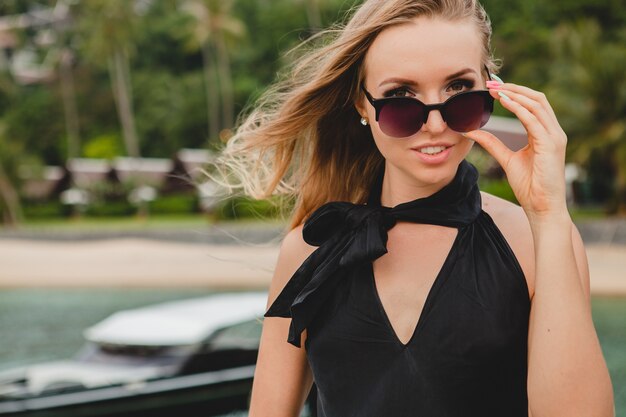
<point x="431" y="296"/>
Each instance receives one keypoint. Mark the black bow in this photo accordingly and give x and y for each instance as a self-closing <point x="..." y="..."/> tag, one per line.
<point x="348" y="234"/>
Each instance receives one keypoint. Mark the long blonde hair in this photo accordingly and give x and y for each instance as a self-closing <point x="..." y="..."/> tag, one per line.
<point x="303" y="138"/>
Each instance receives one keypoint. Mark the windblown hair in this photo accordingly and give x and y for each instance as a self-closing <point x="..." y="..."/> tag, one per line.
<point x="303" y="138"/>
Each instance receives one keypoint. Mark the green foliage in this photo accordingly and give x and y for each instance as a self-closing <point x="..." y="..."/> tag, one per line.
<point x="574" y="50"/>
<point x="170" y="111"/>
<point x="103" y="147"/>
<point x="8" y="7"/>
<point x="163" y="205"/>
<point x="10" y="153"/>
<point x="588" y="92"/>
<point x="41" y="210"/>
<point x="34" y="120"/>
<point x="174" y="204"/>
<point x="499" y="188"/>
<point x="109" y="208"/>
<point x="106" y="26"/>
<point x="244" y="207"/>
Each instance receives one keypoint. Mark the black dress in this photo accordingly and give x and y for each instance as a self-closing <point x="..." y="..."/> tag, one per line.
<point x="468" y="353"/>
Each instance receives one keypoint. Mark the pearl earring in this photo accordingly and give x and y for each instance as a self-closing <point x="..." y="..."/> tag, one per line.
<point x="363" y="121"/>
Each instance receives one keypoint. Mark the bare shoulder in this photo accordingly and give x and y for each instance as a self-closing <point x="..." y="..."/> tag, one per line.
<point x="513" y="223"/>
<point x="502" y="210"/>
<point x="293" y="251"/>
<point x="282" y="376"/>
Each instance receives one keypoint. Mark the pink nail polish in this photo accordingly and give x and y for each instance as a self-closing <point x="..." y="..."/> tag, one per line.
<point x="494" y="84"/>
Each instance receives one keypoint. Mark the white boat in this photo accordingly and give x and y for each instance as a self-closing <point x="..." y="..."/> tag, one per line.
<point x="193" y="357"/>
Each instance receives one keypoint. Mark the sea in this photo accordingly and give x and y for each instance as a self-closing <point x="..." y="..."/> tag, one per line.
<point x="38" y="325"/>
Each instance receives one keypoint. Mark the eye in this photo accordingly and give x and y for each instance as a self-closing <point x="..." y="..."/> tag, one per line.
<point x="458" y="86"/>
<point x="397" y="92"/>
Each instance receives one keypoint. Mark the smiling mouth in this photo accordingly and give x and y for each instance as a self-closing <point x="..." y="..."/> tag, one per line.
<point x="432" y="150"/>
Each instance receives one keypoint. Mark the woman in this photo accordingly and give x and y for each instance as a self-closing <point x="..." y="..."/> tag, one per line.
<point x="412" y="292"/>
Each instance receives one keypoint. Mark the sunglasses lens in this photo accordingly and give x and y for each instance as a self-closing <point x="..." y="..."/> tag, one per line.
<point x="401" y="118"/>
<point x="467" y="112"/>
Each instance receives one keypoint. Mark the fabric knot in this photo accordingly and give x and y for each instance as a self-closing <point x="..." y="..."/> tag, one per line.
<point x="368" y="240"/>
<point x="325" y="222"/>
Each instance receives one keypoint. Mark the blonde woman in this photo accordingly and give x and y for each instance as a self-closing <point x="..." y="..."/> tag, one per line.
<point x="400" y="288"/>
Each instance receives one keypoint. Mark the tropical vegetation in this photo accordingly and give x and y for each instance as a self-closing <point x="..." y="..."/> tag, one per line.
<point x="101" y="78"/>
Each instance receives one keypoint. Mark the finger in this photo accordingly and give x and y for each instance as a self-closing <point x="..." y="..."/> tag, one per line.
<point x="493" y="146"/>
<point x="533" y="94"/>
<point x="532" y="125"/>
<point x="533" y="106"/>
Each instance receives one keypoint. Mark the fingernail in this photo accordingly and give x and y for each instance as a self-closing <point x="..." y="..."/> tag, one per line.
<point x="494" y="85"/>
<point x="504" y="96"/>
<point x="497" y="78"/>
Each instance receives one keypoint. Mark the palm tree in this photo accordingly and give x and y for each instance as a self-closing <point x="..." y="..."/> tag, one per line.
<point x="314" y="16"/>
<point x="215" y="25"/>
<point x="314" y="13"/>
<point x="66" y="78"/>
<point x="109" y="28"/>
<point x="10" y="154"/>
<point x="588" y="91"/>
<point x="10" y="204"/>
<point x="62" y="56"/>
<point x="9" y="200"/>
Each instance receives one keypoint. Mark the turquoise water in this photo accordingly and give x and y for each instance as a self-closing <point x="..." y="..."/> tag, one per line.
<point x="38" y="325"/>
<point x="609" y="316"/>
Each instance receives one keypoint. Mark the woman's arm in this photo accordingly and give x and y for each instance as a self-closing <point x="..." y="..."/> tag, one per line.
<point x="282" y="378"/>
<point x="567" y="374"/>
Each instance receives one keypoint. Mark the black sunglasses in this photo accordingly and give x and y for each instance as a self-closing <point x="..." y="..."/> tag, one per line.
<point x="400" y="117"/>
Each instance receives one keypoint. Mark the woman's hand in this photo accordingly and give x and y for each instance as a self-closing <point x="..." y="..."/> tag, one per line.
<point x="536" y="172"/>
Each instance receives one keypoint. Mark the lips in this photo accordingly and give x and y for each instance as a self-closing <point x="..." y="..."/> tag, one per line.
<point x="432" y="148"/>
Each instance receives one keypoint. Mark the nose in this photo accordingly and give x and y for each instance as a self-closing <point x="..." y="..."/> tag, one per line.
<point x="434" y="122"/>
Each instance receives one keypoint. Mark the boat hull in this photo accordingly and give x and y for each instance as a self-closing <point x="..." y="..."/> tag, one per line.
<point x="204" y="394"/>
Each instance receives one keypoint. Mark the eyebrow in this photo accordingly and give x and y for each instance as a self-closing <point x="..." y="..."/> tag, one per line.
<point x="406" y="81"/>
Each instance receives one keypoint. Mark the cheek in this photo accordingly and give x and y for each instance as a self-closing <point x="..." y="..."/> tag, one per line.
<point x="387" y="146"/>
<point x="465" y="146"/>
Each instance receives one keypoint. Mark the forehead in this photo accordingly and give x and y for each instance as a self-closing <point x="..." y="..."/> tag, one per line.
<point x="424" y="50"/>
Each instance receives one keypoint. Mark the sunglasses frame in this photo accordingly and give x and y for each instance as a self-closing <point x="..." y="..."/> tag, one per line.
<point x="379" y="103"/>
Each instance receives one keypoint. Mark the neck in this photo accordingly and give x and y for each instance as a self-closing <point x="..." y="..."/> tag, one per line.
<point x="398" y="188"/>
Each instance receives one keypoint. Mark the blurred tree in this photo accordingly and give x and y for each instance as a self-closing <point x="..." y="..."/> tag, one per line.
<point x="102" y="147"/>
<point x="168" y="83"/>
<point x="214" y="26"/>
<point x="68" y="94"/>
<point x="277" y="25"/>
<point x="9" y="7"/>
<point x="34" y="119"/>
<point x="10" y="205"/>
<point x="61" y="48"/>
<point x="10" y="153"/>
<point x="109" y="28"/>
<point x="523" y="29"/>
<point x="313" y="14"/>
<point x="181" y="78"/>
<point x="170" y="111"/>
<point x="588" y="90"/>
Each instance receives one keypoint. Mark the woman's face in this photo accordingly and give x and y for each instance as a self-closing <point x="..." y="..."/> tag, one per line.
<point x="429" y="59"/>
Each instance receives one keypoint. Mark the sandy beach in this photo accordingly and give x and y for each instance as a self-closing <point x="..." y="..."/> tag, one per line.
<point x="133" y="262"/>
